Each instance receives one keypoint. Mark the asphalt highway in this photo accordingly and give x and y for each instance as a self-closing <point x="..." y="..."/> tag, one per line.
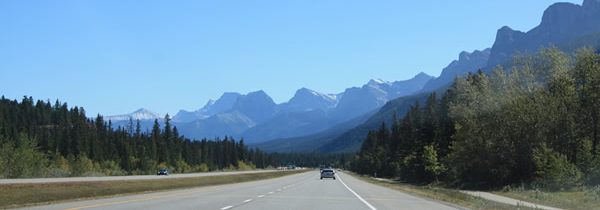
<point x="300" y="191"/>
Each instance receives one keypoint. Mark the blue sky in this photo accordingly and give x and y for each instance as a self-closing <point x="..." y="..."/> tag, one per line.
<point x="114" y="57"/>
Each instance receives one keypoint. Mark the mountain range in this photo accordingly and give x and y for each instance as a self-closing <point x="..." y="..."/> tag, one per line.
<point x="313" y="121"/>
<point x="255" y="117"/>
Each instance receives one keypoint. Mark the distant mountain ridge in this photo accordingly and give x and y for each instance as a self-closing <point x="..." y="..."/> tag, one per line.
<point x="256" y="118"/>
<point x="212" y="107"/>
<point x="323" y="111"/>
<point x="357" y="101"/>
<point x="467" y="62"/>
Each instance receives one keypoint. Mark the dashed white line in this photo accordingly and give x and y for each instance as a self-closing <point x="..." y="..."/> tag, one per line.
<point x="226" y="207"/>
<point x="278" y="190"/>
<point x="260" y="196"/>
<point x="356" y="194"/>
<point x="246" y="201"/>
<point x="271" y="192"/>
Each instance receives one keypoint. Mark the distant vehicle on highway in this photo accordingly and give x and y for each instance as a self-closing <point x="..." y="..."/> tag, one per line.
<point x="162" y="172"/>
<point x="327" y="173"/>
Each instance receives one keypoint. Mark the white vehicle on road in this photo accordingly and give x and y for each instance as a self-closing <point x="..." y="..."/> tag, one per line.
<point x="327" y="173"/>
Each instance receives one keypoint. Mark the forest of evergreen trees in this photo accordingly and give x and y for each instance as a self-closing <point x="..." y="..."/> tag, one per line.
<point x="38" y="139"/>
<point x="536" y="122"/>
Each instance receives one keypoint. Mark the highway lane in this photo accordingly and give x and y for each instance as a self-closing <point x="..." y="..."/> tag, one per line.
<point x="299" y="191"/>
<point x="122" y="178"/>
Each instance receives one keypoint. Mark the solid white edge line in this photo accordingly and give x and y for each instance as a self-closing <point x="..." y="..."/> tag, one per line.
<point x="226" y="207"/>
<point x="356" y="194"/>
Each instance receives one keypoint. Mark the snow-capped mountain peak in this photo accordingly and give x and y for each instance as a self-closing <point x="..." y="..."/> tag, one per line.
<point x="306" y="99"/>
<point x="140" y="114"/>
<point x="331" y="97"/>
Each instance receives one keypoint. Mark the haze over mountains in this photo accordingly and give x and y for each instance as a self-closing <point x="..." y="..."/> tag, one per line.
<point x="256" y="118"/>
<point x="313" y="121"/>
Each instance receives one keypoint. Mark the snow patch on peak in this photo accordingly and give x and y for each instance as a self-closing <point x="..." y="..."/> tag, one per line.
<point x="376" y="82"/>
<point x="306" y="91"/>
<point x="140" y="114"/>
<point x="142" y="110"/>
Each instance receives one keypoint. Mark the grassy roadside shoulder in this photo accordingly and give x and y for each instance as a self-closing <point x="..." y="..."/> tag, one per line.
<point x="450" y="196"/>
<point x="15" y="195"/>
<point x="580" y="199"/>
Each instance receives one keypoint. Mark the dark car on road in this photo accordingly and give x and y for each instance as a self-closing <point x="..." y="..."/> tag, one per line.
<point x="327" y="173"/>
<point x="162" y="172"/>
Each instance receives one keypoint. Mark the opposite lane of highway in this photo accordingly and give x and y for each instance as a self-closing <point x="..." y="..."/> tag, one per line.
<point x="124" y="178"/>
<point x="299" y="191"/>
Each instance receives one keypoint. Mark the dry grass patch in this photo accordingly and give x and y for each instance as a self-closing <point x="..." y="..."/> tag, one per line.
<point x="445" y="195"/>
<point x="587" y="198"/>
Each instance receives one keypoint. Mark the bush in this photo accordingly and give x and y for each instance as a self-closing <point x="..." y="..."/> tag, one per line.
<point x="231" y="167"/>
<point x="149" y="166"/>
<point x="57" y="172"/>
<point x="202" y="168"/>
<point x="21" y="159"/>
<point x="554" y="171"/>
<point x="59" y="167"/>
<point x="242" y="166"/>
<point x="110" y="168"/>
<point x="80" y="165"/>
<point x="182" y="167"/>
<point x="138" y="172"/>
<point x="593" y="174"/>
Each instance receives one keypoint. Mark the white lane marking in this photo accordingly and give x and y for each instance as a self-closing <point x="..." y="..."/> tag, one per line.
<point x="356" y="194"/>
<point x="246" y="201"/>
<point x="260" y="196"/>
<point x="226" y="207"/>
<point x="278" y="190"/>
<point x="271" y="192"/>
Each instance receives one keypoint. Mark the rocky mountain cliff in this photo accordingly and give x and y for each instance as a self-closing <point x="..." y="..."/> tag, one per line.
<point x="561" y="22"/>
